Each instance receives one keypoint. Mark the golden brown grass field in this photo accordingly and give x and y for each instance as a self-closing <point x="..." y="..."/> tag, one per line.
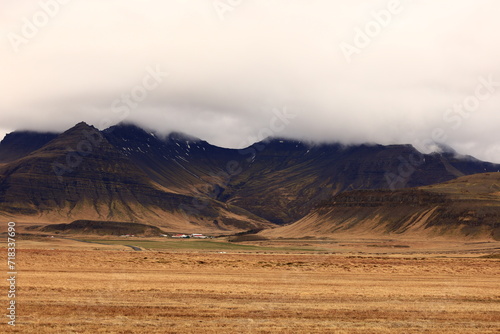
<point x="66" y="286"/>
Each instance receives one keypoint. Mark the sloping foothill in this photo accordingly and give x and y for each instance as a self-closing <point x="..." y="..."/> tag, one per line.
<point x="91" y="227"/>
<point x="467" y="208"/>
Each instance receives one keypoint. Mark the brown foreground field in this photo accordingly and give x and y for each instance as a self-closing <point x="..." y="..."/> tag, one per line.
<point x="112" y="289"/>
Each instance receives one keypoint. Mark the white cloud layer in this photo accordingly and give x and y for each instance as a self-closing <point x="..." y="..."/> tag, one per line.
<point x="352" y="71"/>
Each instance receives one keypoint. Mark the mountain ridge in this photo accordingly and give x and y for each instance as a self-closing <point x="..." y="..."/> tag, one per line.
<point x="184" y="181"/>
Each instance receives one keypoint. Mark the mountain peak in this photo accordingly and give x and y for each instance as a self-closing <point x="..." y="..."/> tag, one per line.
<point x="179" y="136"/>
<point x="443" y="149"/>
<point x="82" y="126"/>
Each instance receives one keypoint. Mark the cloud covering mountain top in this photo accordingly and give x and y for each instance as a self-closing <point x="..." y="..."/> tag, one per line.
<point x="230" y="72"/>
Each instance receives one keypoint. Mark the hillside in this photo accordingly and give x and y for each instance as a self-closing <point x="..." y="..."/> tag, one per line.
<point x="468" y="207"/>
<point x="16" y="145"/>
<point x="52" y="184"/>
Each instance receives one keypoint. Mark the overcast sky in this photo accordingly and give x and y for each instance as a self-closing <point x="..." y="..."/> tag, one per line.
<point x="231" y="72"/>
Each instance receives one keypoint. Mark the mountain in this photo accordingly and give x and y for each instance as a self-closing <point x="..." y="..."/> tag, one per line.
<point x="467" y="207"/>
<point x="281" y="180"/>
<point x="126" y="173"/>
<point x="286" y="179"/>
<point x="80" y="175"/>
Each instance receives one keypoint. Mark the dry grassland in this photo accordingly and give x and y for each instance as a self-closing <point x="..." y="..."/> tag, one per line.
<point x="108" y="291"/>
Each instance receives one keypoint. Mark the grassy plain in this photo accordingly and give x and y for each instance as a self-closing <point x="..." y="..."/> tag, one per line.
<point x="65" y="286"/>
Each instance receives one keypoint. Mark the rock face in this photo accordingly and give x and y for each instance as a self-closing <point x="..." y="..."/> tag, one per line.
<point x="468" y="207"/>
<point x="125" y="173"/>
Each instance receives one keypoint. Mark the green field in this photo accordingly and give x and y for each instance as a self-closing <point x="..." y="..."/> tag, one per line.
<point x="193" y="245"/>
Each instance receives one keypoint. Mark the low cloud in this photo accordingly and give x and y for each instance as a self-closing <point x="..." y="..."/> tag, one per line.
<point x="232" y="64"/>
